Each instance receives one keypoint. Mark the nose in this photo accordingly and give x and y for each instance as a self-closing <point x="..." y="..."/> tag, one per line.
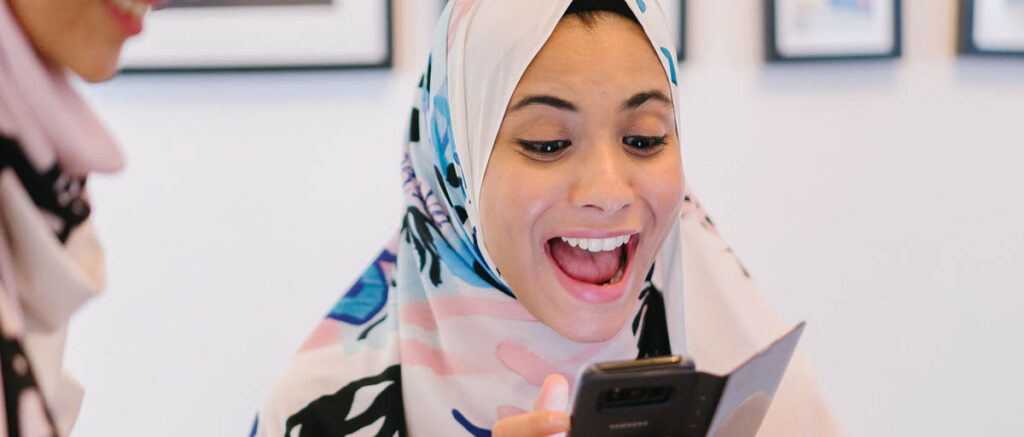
<point x="603" y="181"/>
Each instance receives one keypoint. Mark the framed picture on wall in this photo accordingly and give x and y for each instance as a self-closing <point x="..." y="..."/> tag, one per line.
<point x="808" y="30"/>
<point x="675" y="12"/>
<point x="992" y="27"/>
<point x="208" y="35"/>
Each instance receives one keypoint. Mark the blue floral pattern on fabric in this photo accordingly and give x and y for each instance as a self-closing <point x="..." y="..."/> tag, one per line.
<point x="439" y="229"/>
<point x="367" y="296"/>
<point x="671" y="59"/>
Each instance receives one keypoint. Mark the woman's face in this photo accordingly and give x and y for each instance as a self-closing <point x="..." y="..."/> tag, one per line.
<point x="83" y="35"/>
<point x="584" y="181"/>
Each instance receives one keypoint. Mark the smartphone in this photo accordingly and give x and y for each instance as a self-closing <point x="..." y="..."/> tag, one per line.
<point x="661" y="396"/>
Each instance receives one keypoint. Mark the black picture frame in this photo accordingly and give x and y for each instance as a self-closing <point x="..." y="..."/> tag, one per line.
<point x="773" y="52"/>
<point x="680" y="31"/>
<point x="967" y="42"/>
<point x="385" y="61"/>
<point x="681" y="47"/>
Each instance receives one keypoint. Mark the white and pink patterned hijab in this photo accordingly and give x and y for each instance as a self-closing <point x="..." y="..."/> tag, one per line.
<point x="430" y="340"/>
<point x="51" y="262"/>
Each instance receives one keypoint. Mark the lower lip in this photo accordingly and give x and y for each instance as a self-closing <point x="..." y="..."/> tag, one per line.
<point x="594" y="293"/>
<point x="128" y="23"/>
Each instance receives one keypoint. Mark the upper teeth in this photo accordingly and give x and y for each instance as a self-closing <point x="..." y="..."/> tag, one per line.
<point x="597" y="244"/>
<point x="134" y="7"/>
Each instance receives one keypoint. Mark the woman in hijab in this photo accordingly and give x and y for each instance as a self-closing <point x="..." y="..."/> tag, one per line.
<point x="547" y="227"/>
<point x="50" y="259"/>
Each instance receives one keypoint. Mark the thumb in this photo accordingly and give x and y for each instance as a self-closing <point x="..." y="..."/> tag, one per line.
<point x="554" y="395"/>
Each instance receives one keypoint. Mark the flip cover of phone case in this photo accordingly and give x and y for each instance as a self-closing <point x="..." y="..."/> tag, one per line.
<point x="748" y="391"/>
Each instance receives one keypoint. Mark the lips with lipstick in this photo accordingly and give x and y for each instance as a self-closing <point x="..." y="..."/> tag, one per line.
<point x="593" y="269"/>
<point x="128" y="13"/>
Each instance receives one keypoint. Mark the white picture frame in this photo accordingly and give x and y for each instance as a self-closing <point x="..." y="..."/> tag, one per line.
<point x="992" y="27"/>
<point x="263" y="35"/>
<point x="833" y="29"/>
<point x="675" y="13"/>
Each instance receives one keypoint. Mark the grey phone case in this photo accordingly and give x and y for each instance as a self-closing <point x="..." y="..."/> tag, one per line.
<point x="644" y="397"/>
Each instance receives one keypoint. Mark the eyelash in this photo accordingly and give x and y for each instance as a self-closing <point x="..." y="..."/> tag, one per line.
<point x="551" y="150"/>
<point x="544" y="148"/>
<point x="636" y="142"/>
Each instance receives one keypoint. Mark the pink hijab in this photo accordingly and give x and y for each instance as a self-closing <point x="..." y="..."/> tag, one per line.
<point x="43" y="280"/>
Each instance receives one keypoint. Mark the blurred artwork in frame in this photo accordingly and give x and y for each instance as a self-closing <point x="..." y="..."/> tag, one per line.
<point x="211" y="35"/>
<point x="992" y="27"/>
<point x="674" y="10"/>
<point x="675" y="13"/>
<point x="823" y="30"/>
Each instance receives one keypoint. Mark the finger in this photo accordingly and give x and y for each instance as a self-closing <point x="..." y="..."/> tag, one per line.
<point x="554" y="394"/>
<point x="536" y="424"/>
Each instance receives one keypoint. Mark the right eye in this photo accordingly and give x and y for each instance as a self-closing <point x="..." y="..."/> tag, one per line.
<point x="544" y="150"/>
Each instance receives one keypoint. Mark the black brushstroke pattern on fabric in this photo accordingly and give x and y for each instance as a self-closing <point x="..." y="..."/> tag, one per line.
<point x="461" y="212"/>
<point x="651" y="323"/>
<point x="416" y="227"/>
<point x="52" y="191"/>
<point x="482" y="273"/>
<point x="328" y="415"/>
<point x="453" y="176"/>
<point x="366" y="332"/>
<point x="430" y="62"/>
<point x="444" y="186"/>
<point x="414" y="126"/>
<point x="15" y="384"/>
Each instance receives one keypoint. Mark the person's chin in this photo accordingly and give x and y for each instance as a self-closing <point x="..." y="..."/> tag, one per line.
<point x="98" y="67"/>
<point x="592" y="328"/>
<point x="96" y="74"/>
<point x="589" y="323"/>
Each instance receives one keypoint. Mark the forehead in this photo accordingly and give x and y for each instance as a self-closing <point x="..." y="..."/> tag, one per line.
<point x="610" y="55"/>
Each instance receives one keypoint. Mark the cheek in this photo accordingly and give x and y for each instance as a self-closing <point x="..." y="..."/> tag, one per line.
<point x="514" y="199"/>
<point x="96" y="48"/>
<point x="76" y="34"/>
<point x="662" y="188"/>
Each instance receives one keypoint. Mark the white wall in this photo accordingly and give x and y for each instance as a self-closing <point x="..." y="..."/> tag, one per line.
<point x="880" y="201"/>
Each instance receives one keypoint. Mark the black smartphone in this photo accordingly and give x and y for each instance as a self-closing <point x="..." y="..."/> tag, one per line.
<point x="661" y="396"/>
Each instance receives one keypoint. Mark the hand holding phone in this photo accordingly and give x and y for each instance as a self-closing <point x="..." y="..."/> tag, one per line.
<point x="666" y="396"/>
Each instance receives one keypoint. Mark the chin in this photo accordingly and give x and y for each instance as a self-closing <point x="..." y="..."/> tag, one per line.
<point x="597" y="323"/>
<point x="594" y="331"/>
<point x="98" y="65"/>
<point x="95" y="73"/>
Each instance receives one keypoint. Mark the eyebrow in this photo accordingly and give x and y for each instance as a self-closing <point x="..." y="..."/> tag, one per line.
<point x="545" y="100"/>
<point x="641" y="98"/>
<point x="558" y="103"/>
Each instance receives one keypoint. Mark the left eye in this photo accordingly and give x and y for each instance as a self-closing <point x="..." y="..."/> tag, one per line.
<point x="643" y="143"/>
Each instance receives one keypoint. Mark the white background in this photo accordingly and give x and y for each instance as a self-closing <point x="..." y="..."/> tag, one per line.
<point x="880" y="201"/>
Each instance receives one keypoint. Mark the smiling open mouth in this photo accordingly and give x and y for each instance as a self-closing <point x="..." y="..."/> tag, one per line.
<point x="598" y="261"/>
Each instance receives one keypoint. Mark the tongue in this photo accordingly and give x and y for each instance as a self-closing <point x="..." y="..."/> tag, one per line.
<point x="584" y="265"/>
